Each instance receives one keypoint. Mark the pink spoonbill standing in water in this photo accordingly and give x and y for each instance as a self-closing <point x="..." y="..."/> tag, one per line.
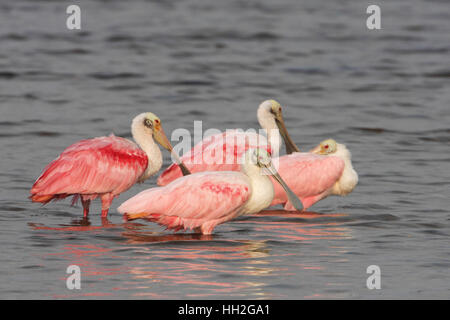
<point x="103" y="167"/>
<point x="203" y="200"/>
<point x="325" y="170"/>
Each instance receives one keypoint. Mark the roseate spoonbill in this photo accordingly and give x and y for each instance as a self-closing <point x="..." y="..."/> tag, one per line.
<point x="203" y="200"/>
<point x="103" y="167"/>
<point x="325" y="170"/>
<point x="232" y="144"/>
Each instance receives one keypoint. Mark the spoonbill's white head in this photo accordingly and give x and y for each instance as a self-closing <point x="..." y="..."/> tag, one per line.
<point x="146" y="128"/>
<point x="349" y="178"/>
<point x="331" y="147"/>
<point x="270" y="117"/>
<point x="148" y="125"/>
<point x="328" y="146"/>
<point x="256" y="161"/>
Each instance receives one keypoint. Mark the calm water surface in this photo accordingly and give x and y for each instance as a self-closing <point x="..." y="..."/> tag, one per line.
<point x="385" y="94"/>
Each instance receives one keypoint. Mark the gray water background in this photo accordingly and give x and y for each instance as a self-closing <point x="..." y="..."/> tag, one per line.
<point x="383" y="93"/>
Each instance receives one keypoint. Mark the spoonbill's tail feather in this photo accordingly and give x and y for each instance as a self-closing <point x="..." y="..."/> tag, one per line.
<point x="43" y="199"/>
<point x="134" y="216"/>
<point x="46" y="198"/>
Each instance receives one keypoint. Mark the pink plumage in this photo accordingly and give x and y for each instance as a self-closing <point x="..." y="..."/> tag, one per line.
<point x="198" y="201"/>
<point x="219" y="152"/>
<point x="310" y="177"/>
<point x="100" y="167"/>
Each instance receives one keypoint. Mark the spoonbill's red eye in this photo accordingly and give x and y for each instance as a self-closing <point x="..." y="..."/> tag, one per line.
<point x="157" y="121"/>
<point x="326" y="146"/>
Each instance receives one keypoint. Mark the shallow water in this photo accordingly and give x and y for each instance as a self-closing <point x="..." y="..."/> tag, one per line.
<point x="385" y="94"/>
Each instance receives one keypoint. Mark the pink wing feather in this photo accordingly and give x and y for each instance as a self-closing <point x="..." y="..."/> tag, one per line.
<point x="308" y="175"/>
<point x="92" y="167"/>
<point x="220" y="152"/>
<point x="197" y="200"/>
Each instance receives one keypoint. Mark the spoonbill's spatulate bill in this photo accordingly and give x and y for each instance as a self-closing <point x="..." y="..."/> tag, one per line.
<point x="325" y="170"/>
<point x="232" y="144"/>
<point x="203" y="200"/>
<point x="103" y="167"/>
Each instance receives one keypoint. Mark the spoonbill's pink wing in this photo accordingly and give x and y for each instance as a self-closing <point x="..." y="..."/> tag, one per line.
<point x="308" y="175"/>
<point x="192" y="201"/>
<point x="219" y="152"/>
<point x="91" y="167"/>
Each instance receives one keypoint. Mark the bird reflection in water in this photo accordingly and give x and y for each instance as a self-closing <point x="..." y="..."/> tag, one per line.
<point x="232" y="262"/>
<point x="215" y="267"/>
<point x="300" y="225"/>
<point x="83" y="224"/>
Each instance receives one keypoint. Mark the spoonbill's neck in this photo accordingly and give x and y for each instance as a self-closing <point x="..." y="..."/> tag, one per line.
<point x="144" y="139"/>
<point x="262" y="189"/>
<point x="267" y="121"/>
<point x="349" y="178"/>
